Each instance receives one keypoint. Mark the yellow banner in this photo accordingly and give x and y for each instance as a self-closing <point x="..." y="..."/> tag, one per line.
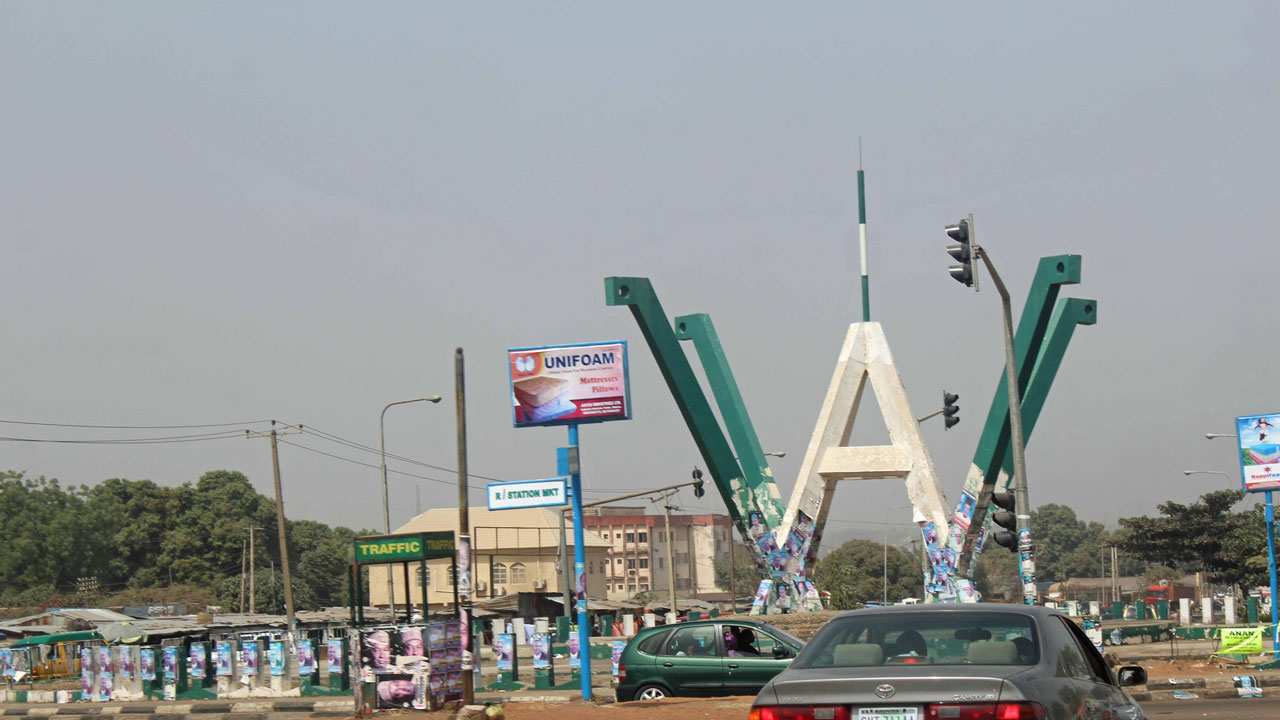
<point x="1241" y="641"/>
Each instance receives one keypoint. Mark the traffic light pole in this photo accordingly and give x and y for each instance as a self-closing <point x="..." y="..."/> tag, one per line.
<point x="1026" y="551"/>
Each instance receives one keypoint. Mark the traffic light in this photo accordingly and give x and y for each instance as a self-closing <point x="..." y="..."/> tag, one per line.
<point x="949" y="409"/>
<point x="961" y="251"/>
<point x="1007" y="532"/>
<point x="698" y="489"/>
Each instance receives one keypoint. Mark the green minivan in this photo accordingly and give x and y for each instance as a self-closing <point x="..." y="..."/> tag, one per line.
<point x="701" y="658"/>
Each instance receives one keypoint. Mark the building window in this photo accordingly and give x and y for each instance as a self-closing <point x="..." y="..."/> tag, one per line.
<point x="662" y="536"/>
<point x="449" y="578"/>
<point x="618" y="560"/>
<point x="644" y="587"/>
<point x="644" y="563"/>
<point x="631" y="564"/>
<point x="499" y="573"/>
<point x="631" y="537"/>
<point x="517" y="573"/>
<point x="631" y="588"/>
<point x="603" y="563"/>
<point x="643" y="537"/>
<point x="424" y="577"/>
<point x="606" y="536"/>
<point x="662" y="562"/>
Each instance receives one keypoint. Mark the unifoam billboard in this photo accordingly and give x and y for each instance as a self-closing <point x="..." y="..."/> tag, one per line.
<point x="1259" y="437"/>
<point x="569" y="384"/>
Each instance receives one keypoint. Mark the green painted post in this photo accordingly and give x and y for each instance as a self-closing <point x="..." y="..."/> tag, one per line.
<point x="562" y="629"/>
<point x="862" y="246"/>
<point x="761" y="491"/>
<point x="694" y="615"/>
<point x="1162" y="609"/>
<point x="638" y="294"/>
<point x="340" y="681"/>
<point x="715" y="613"/>
<point x="606" y="626"/>
<point x="1117" y="610"/>
<point x="1252" y="609"/>
<point x="1141" y="610"/>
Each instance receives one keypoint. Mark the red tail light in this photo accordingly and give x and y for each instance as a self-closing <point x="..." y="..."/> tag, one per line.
<point x="622" y="672"/>
<point x="800" y="712"/>
<point x="984" y="711"/>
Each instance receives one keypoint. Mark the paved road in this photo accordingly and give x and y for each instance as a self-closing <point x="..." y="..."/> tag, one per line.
<point x="1266" y="708"/>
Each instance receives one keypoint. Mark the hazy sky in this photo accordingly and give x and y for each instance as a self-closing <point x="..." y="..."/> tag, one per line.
<point x="232" y="212"/>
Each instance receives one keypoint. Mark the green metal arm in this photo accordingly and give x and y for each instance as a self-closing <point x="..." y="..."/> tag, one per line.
<point x="760" y="491"/>
<point x="638" y="294"/>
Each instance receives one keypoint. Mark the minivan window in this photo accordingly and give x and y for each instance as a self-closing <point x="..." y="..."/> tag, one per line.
<point x="696" y="641"/>
<point x="652" y="645"/>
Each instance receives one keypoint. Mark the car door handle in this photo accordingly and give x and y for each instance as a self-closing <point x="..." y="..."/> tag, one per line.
<point x="667" y="664"/>
<point x="733" y="666"/>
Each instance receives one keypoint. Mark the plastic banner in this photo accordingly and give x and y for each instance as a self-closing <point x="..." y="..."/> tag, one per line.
<point x="222" y="658"/>
<point x="334" y="654"/>
<point x="249" y="657"/>
<point x="504" y="646"/>
<point x="617" y="647"/>
<point x="196" y="661"/>
<point x="170" y="659"/>
<point x="306" y="658"/>
<point x="541" y="645"/>
<point x="147" y="663"/>
<point x="1240" y="641"/>
<point x="575" y="651"/>
<point x="127" y="669"/>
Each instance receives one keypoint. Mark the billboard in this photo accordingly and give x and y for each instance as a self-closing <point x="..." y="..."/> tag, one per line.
<point x="569" y="384"/>
<point x="1259" y="451"/>
<point x="527" y="494"/>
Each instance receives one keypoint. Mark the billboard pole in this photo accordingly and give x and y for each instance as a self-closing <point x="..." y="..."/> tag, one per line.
<point x="580" y="564"/>
<point x="1271" y="560"/>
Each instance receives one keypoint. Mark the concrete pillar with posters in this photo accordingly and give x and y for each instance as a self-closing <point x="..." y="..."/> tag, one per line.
<point x="1229" y="609"/>
<point x="1184" y="611"/>
<point x="1206" y="610"/>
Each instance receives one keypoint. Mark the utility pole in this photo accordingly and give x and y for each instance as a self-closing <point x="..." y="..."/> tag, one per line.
<point x="280" y="522"/>
<point x="243" y="545"/>
<point x="462" y="570"/>
<point x="253" y="594"/>
<point x="733" y="570"/>
<point x="671" y="563"/>
<point x="565" y="585"/>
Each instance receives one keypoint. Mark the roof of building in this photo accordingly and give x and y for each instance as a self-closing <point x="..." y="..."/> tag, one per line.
<point x="503" y="529"/>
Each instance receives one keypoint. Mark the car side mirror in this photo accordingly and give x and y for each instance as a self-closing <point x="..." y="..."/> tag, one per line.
<point x="780" y="652"/>
<point x="1130" y="675"/>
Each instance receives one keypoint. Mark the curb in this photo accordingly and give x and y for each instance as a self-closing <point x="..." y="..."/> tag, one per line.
<point x="204" y="710"/>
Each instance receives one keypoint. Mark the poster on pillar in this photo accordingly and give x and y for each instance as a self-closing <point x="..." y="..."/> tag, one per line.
<point x="569" y="384"/>
<point x="1259" y="451"/>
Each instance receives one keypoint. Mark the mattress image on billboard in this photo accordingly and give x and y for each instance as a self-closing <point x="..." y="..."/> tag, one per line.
<point x="569" y="384"/>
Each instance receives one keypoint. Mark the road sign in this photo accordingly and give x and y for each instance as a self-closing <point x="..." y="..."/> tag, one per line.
<point x="527" y="494"/>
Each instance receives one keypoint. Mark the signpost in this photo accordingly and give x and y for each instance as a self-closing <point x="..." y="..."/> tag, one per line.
<point x="566" y="385"/>
<point x="1260" y="472"/>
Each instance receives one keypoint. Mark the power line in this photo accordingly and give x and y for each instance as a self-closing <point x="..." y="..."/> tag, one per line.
<point x="133" y="427"/>
<point x="200" y="437"/>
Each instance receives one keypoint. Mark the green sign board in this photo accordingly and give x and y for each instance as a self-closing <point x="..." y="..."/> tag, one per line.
<point x="401" y="548"/>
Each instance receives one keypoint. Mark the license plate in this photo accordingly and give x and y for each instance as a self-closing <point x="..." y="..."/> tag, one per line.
<point x="889" y="713"/>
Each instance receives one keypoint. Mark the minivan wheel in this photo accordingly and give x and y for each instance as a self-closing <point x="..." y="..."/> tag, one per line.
<point x="651" y="692"/>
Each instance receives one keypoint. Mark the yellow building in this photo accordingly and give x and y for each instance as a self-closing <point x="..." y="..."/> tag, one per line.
<point x="512" y="551"/>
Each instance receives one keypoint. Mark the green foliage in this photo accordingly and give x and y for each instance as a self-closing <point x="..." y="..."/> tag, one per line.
<point x="1066" y="546"/>
<point x="1205" y="535"/>
<point x="137" y="535"/>
<point x="745" y="573"/>
<point x="855" y="573"/>
<point x="645" y="597"/>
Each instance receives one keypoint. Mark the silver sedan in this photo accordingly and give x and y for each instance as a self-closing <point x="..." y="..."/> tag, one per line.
<point x="950" y="662"/>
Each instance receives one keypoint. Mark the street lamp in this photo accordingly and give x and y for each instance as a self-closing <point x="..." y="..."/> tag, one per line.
<point x="1211" y="436"/>
<point x="1206" y="472"/>
<point x="386" y="506"/>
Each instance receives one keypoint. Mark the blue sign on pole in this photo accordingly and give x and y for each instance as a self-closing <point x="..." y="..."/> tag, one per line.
<point x="1260" y="472"/>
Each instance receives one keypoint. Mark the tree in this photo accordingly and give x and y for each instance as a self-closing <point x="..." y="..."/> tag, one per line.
<point x="1205" y="535"/>
<point x="1066" y="546"/>
<point x="745" y="573"/>
<point x="855" y="573"/>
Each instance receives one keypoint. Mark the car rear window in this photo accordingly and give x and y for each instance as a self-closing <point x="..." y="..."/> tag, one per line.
<point x="933" y="638"/>
<point x="652" y="645"/>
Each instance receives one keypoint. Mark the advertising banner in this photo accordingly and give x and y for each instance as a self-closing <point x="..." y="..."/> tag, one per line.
<point x="306" y="657"/>
<point x="249" y="657"/>
<point x="541" y="645"/>
<point x="222" y="658"/>
<point x="1240" y="641"/>
<point x="504" y="647"/>
<point x="1259" y="451"/>
<point x="563" y="384"/>
<point x="527" y="494"/>
<point x="196" y="662"/>
<point x="147" y="663"/>
<point x="333" y="655"/>
<point x="170" y="658"/>
<point x="275" y="657"/>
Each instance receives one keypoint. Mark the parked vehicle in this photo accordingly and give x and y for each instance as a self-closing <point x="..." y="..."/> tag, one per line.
<point x="703" y="658"/>
<point x="973" y="661"/>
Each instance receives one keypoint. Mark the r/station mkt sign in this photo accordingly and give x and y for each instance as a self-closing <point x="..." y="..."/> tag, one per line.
<point x="527" y="494"/>
<point x="400" y="548"/>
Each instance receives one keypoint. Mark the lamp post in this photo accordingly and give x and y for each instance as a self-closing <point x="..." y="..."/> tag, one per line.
<point x="386" y="505"/>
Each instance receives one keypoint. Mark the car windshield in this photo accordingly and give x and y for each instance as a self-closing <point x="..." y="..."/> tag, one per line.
<point x="934" y="638"/>
<point x="787" y="637"/>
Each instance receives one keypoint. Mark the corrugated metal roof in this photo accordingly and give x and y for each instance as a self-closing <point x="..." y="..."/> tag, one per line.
<point x="93" y="615"/>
